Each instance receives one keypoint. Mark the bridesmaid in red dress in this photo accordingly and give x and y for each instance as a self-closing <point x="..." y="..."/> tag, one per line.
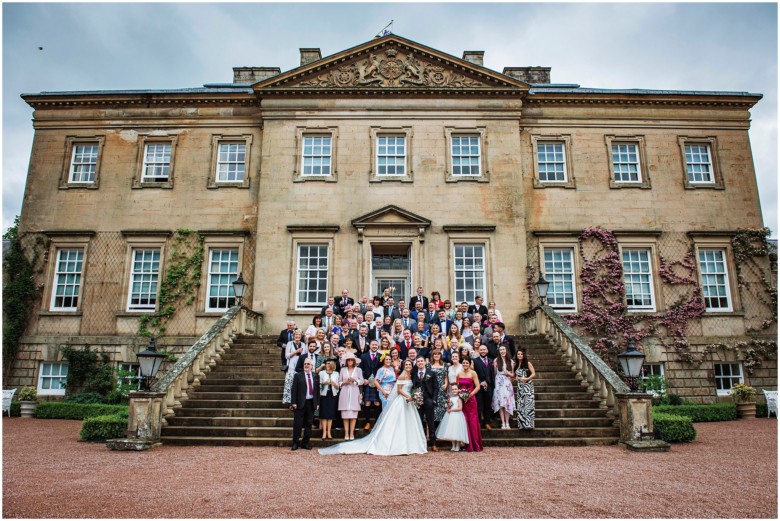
<point x="469" y="381"/>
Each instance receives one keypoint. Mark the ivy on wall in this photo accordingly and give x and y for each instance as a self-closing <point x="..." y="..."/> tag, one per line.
<point x="180" y="283"/>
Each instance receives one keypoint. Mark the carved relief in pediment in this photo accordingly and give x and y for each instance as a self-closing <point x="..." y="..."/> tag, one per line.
<point x="391" y="68"/>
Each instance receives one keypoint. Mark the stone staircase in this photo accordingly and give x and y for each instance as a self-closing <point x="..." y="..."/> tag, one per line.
<point x="239" y="403"/>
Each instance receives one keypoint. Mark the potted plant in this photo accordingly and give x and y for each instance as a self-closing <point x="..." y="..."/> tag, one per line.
<point x="28" y="401"/>
<point x="745" y="396"/>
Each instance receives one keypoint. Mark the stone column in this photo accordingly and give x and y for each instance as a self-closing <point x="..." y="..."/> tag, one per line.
<point x="144" y="422"/>
<point x="636" y="422"/>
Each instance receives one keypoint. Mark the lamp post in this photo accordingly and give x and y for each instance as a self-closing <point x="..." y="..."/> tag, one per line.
<point x="541" y="289"/>
<point x="239" y="288"/>
<point x="150" y="361"/>
<point x="631" y="361"/>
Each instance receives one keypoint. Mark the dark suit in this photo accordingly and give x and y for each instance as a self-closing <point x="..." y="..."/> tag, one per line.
<point x="445" y="330"/>
<point x="356" y="344"/>
<point x="301" y="359"/>
<point x="403" y="351"/>
<point x="431" y="317"/>
<point x="392" y="312"/>
<point x="411" y="324"/>
<point x="430" y="391"/>
<point x="282" y="341"/>
<point x="374" y="334"/>
<point x="493" y="347"/>
<point x="343" y="303"/>
<point x="413" y="302"/>
<point x="304" y="409"/>
<point x="482" y="310"/>
<point x="368" y="366"/>
<point x="485" y="395"/>
<point x="335" y="309"/>
<point x="510" y="343"/>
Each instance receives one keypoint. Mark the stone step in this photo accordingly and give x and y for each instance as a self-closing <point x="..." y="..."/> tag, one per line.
<point x="274" y="389"/>
<point x="219" y="412"/>
<point x="567" y="404"/>
<point x="211" y="379"/>
<point x="249" y="421"/>
<point x="318" y="442"/>
<point x="286" y="432"/>
<point x="236" y="364"/>
<point x="197" y="403"/>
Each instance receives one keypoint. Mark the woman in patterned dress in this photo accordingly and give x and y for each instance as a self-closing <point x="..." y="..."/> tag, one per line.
<point x="503" y="395"/>
<point x="385" y="379"/>
<point x="526" y="402"/>
<point x="439" y="370"/>
<point x="292" y="352"/>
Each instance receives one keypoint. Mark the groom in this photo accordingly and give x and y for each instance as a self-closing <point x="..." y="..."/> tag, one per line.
<point x="423" y="378"/>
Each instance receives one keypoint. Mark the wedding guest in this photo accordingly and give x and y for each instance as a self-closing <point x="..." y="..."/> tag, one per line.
<point x="285" y="337"/>
<point x="433" y="333"/>
<point x="330" y="305"/>
<point x="439" y="370"/>
<point x="292" y="352"/>
<point x="346" y="300"/>
<point x="436" y="300"/>
<point x="412" y="355"/>
<point x="387" y="324"/>
<point x="503" y="393"/>
<point x="407" y="321"/>
<point x="454" y="340"/>
<point x="316" y="323"/>
<point x="391" y="310"/>
<point x="310" y="354"/>
<point x="405" y="344"/>
<point x="448" y="311"/>
<point x="432" y="313"/>
<point x="469" y="381"/>
<point x="328" y="352"/>
<point x="363" y="305"/>
<point x="421" y="298"/>
<point x="328" y="319"/>
<point x="463" y="307"/>
<point x="348" y="347"/>
<point x="418" y="345"/>
<point x="453" y="426"/>
<point x="417" y="311"/>
<point x="474" y="348"/>
<point x="396" y="361"/>
<point x="376" y="305"/>
<point x="398" y="330"/>
<point x="385" y="345"/>
<point x="483" y="366"/>
<point x="454" y="367"/>
<point x="369" y="365"/>
<point x="505" y="339"/>
<point x="525" y="399"/>
<point x="496" y="312"/>
<point x="466" y="326"/>
<point x="337" y="327"/>
<point x="350" y="380"/>
<point x="441" y="345"/>
<point x="458" y="320"/>
<point x="443" y="322"/>
<point x="423" y="378"/>
<point x="386" y="296"/>
<point x="319" y="337"/>
<point x="385" y="379"/>
<point x="478" y="306"/>
<point x="329" y="391"/>
<point x="305" y="401"/>
<point x="422" y="330"/>
<point x="362" y="341"/>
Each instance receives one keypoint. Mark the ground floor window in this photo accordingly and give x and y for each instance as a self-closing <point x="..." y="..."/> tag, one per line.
<point x="312" y="279"/>
<point x="727" y="376"/>
<point x="52" y="378"/>
<point x="223" y="270"/>
<point x="129" y="375"/>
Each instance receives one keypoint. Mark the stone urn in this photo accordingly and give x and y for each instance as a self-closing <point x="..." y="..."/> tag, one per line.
<point x="745" y="397"/>
<point x="28" y="402"/>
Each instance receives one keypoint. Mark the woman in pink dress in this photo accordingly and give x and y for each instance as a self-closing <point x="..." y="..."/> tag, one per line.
<point x="468" y="381"/>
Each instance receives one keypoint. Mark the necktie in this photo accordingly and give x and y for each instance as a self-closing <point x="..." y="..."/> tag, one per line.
<point x="407" y="345"/>
<point x="311" y="387"/>
<point x="372" y="357"/>
<point x="485" y="361"/>
<point x="420" y="375"/>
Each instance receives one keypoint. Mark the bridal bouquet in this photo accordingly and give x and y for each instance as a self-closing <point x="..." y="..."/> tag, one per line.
<point x="417" y="398"/>
<point x="464" y="396"/>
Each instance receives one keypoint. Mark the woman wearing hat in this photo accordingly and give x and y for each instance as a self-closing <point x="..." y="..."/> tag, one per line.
<point x="350" y="381"/>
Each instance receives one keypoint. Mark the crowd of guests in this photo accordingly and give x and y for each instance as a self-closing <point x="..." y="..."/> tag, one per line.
<point x="352" y="354"/>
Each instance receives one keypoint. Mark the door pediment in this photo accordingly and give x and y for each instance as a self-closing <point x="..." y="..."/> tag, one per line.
<point x="391" y="216"/>
<point x="391" y="64"/>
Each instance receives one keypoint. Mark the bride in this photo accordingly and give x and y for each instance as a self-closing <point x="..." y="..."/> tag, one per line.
<point x="398" y="430"/>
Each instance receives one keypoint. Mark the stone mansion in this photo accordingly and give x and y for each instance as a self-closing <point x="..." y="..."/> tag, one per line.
<point x="395" y="164"/>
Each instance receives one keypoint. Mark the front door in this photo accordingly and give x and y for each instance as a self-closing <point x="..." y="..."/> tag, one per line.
<point x="390" y="268"/>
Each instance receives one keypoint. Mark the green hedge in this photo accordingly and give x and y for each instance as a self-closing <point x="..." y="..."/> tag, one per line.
<point x="673" y="429"/>
<point x="761" y="410"/>
<point x="716" y="412"/>
<point x="100" y="428"/>
<point x="76" y="411"/>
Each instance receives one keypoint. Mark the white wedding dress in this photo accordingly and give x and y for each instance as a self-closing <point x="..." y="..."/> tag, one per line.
<point x="397" y="432"/>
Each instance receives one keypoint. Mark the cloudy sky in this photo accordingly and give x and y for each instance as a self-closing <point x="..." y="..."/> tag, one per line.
<point x="731" y="47"/>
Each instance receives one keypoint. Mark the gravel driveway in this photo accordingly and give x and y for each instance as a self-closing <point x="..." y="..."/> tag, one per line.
<point x="730" y="471"/>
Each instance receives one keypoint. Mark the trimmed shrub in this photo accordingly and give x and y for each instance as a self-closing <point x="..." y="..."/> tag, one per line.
<point x="16" y="408"/>
<point x="668" y="399"/>
<point x="76" y="411"/>
<point x="716" y="412"/>
<point x="760" y="410"/>
<point x="673" y="429"/>
<point x="86" y="397"/>
<point x="100" y="428"/>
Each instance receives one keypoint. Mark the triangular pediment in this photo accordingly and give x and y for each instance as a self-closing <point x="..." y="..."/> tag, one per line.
<point x="391" y="64"/>
<point x="391" y="216"/>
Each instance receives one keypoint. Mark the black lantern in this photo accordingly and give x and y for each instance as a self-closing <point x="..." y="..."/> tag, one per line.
<point x="239" y="288"/>
<point x="150" y="361"/>
<point x="631" y="362"/>
<point x="541" y="289"/>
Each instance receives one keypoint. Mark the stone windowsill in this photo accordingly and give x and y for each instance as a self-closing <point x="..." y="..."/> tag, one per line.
<point x="60" y="313"/>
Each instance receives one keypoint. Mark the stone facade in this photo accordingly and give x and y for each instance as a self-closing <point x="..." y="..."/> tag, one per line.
<point x="388" y="87"/>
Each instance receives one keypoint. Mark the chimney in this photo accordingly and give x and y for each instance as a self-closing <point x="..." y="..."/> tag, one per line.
<point x="310" y="55"/>
<point x="254" y="74"/>
<point x="529" y="74"/>
<point x="475" y="57"/>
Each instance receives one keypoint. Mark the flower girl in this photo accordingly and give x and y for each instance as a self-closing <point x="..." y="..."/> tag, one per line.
<point x="453" y="426"/>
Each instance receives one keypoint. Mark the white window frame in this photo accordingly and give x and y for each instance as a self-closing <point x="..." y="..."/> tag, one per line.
<point x="564" y="141"/>
<point x="648" y="274"/>
<point x="162" y="164"/>
<point x="472" y="159"/>
<point x="67" y="179"/>
<point x="619" y="164"/>
<point x="228" y="162"/>
<point x="477" y="274"/>
<point x="551" y="276"/>
<point x="302" y="135"/>
<point x="231" y="276"/>
<point x="731" y="377"/>
<point x="60" y="377"/>
<point x="726" y="282"/>
<point x="128" y="366"/>
<point x="378" y="133"/>
<point x="141" y="180"/>
<point x="217" y="141"/>
<point x="308" y="305"/>
<point x="638" y="142"/>
<point x="711" y="144"/>
<point x="478" y="133"/>
<point x="154" y="275"/>
<point x="95" y="146"/>
<point x="325" y="152"/>
<point x="57" y="274"/>
<point x="399" y="160"/>
<point x="661" y="372"/>
<point x="689" y="163"/>
<point x="557" y="147"/>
